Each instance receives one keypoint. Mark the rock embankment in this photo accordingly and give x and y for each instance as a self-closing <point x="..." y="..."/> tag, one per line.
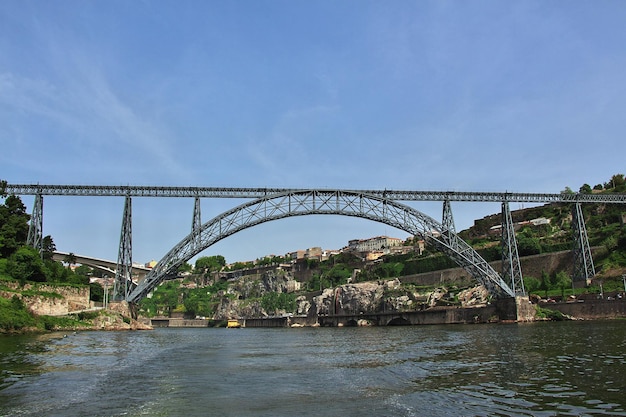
<point x="108" y="320"/>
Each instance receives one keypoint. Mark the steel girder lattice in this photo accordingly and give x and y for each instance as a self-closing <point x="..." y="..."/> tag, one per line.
<point x="511" y="268"/>
<point x="448" y="220"/>
<point x="338" y="202"/>
<point x="584" y="269"/>
<point x="35" y="229"/>
<point x="225" y="192"/>
<point x="197" y="222"/>
<point x="123" y="274"/>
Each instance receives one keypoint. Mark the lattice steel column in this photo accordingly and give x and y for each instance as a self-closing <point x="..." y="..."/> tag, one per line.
<point x="511" y="269"/>
<point x="197" y="223"/>
<point x="448" y="222"/>
<point x="123" y="273"/>
<point x="583" y="262"/>
<point x="35" y="229"/>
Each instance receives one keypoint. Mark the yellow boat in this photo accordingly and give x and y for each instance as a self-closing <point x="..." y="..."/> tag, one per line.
<point x="233" y="324"/>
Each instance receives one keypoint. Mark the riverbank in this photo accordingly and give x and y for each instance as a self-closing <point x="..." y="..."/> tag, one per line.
<point x="16" y="318"/>
<point x="504" y="312"/>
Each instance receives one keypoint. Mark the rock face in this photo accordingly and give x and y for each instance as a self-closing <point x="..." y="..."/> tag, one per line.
<point x="473" y="297"/>
<point x="113" y="321"/>
<point x="349" y="299"/>
<point x="235" y="302"/>
<point x="367" y="297"/>
<point x="234" y="308"/>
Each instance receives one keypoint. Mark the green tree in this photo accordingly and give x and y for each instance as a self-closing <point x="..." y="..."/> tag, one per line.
<point x="528" y="246"/>
<point x="26" y="265"/>
<point x="208" y="264"/>
<point x="545" y="283"/>
<point x="185" y="267"/>
<point x="48" y="248"/>
<point x="272" y="302"/>
<point x="96" y="292"/>
<point x="585" y="189"/>
<point x="70" y="259"/>
<point x="563" y="281"/>
<point x="13" y="225"/>
<point x="531" y="284"/>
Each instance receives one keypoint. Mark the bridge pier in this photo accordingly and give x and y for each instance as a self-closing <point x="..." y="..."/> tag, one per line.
<point x="123" y="273"/>
<point x="584" y="270"/>
<point x="196" y="224"/>
<point x="35" y="228"/>
<point x="511" y="269"/>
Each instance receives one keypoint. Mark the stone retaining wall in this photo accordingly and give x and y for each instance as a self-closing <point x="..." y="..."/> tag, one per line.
<point x="590" y="310"/>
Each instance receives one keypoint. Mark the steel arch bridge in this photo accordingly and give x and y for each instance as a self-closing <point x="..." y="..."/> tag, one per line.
<point x="334" y="202"/>
<point x="377" y="205"/>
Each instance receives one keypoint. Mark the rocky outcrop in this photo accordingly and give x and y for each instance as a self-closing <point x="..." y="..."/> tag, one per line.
<point x="235" y="302"/>
<point x="349" y="299"/>
<point x="230" y="308"/>
<point x="474" y="297"/>
<point x="366" y="298"/>
<point x="108" y="320"/>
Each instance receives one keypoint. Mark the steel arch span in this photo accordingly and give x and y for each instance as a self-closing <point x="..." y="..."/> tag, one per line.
<point x="337" y="202"/>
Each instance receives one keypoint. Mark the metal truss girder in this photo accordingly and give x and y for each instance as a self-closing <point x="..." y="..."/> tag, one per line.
<point x="584" y="270"/>
<point x="225" y="192"/>
<point x="511" y="268"/>
<point x="307" y="202"/>
<point x="35" y="228"/>
<point x="197" y="222"/>
<point x="123" y="284"/>
<point x="447" y="221"/>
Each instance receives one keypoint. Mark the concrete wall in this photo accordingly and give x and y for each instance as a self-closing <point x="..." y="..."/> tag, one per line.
<point x="532" y="266"/>
<point x="591" y="310"/>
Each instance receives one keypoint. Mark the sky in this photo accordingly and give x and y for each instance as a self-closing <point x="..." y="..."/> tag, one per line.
<point x="485" y="95"/>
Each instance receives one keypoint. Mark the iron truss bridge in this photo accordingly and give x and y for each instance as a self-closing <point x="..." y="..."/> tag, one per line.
<point x="269" y="204"/>
<point x="245" y="193"/>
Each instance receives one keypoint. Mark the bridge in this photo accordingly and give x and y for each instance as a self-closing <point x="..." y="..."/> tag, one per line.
<point x="268" y="204"/>
<point x="138" y="271"/>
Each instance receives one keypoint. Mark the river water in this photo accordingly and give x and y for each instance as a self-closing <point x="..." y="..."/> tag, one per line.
<point x="539" y="369"/>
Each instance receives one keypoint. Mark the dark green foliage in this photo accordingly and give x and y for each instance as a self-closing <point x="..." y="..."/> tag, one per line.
<point x="273" y="301"/>
<point x="548" y="314"/>
<point x="13" y="315"/>
<point x="25" y="264"/>
<point x="528" y="246"/>
<point x="13" y="226"/>
<point x="96" y="292"/>
<point x="48" y="248"/>
<point x="164" y="299"/>
<point x="338" y="274"/>
<point x="531" y="284"/>
<point x="208" y="264"/>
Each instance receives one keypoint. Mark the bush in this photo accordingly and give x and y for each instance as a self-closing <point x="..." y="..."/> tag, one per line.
<point x="546" y="313"/>
<point x="14" y="315"/>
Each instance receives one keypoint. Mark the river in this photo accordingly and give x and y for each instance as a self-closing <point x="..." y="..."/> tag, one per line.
<point x="538" y="369"/>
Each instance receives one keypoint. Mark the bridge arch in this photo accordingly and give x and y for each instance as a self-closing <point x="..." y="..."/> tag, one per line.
<point x="338" y="202"/>
<point x="399" y="321"/>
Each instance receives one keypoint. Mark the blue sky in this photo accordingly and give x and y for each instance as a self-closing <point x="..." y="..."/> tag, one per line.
<point x="525" y="96"/>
